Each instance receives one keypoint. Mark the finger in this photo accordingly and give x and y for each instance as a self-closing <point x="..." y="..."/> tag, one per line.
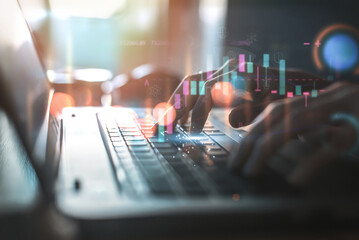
<point x="310" y="166"/>
<point x="239" y="157"/>
<point x="181" y="98"/>
<point x="203" y="106"/>
<point x="200" y="113"/>
<point x="291" y="124"/>
<point x="184" y="118"/>
<point x="245" y="113"/>
<point x="341" y="137"/>
<point x="277" y="113"/>
<point x="315" y="136"/>
<point x="276" y="126"/>
<point x="336" y="141"/>
<point x="182" y="95"/>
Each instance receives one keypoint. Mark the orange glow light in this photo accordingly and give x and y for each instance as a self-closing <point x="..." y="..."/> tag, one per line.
<point x="60" y="101"/>
<point x="235" y="197"/>
<point x="222" y="94"/>
<point x="164" y="114"/>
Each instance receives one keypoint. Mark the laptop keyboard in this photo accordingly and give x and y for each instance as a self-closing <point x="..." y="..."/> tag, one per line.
<point x="174" y="165"/>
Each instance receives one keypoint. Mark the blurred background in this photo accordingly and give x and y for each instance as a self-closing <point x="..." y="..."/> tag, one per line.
<point x="120" y="35"/>
<point x="173" y="38"/>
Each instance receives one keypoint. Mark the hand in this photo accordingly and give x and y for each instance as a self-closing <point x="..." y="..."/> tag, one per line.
<point x="248" y="102"/>
<point x="332" y="117"/>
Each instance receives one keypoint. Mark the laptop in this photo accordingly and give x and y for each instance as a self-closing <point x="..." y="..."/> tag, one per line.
<point x="99" y="167"/>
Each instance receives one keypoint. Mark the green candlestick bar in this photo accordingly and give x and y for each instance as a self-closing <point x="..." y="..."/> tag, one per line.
<point x="266" y="65"/>
<point x="193" y="88"/>
<point x="298" y="90"/>
<point x="250" y="65"/>
<point x="314" y="93"/>
<point x="265" y="60"/>
<point x="282" y="77"/>
<point x="201" y="88"/>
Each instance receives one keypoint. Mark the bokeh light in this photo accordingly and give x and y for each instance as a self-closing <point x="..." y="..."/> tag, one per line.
<point x="222" y="94"/>
<point x="60" y="101"/>
<point x="340" y="52"/>
<point x="164" y="114"/>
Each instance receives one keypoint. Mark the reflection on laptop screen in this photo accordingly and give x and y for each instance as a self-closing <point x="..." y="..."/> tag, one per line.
<point x="23" y="80"/>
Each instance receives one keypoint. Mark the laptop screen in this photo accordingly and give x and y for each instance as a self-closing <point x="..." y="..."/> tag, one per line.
<point x="24" y="88"/>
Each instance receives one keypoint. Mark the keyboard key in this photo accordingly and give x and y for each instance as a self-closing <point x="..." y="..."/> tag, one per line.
<point x="117" y="144"/>
<point x="140" y="149"/>
<point x="120" y="149"/>
<point x="215" y="133"/>
<point x="144" y="156"/>
<point x="116" y="139"/>
<point x="149" y="133"/>
<point x="160" y="186"/>
<point x="163" y="145"/>
<point x="114" y="134"/>
<point x="136" y="143"/>
<point x="155" y="140"/>
<point x="212" y="131"/>
<point x="153" y="171"/>
<point x="181" y="169"/>
<point x="213" y="148"/>
<point x="128" y="128"/>
<point x="112" y="130"/>
<point x="133" y="138"/>
<point x="146" y="125"/>
<point x="173" y="158"/>
<point x="166" y="151"/>
<point x="131" y="129"/>
<point x="148" y="162"/>
<point x="131" y="133"/>
<point x="208" y="143"/>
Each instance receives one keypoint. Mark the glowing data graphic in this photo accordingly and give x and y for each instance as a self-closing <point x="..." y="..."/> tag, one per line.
<point x="250" y="65"/>
<point x="282" y="77"/>
<point x="230" y="81"/>
<point x="266" y="66"/>
<point x="242" y="63"/>
<point x="193" y="87"/>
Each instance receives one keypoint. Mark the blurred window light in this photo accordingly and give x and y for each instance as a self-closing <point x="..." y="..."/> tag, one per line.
<point x="34" y="10"/>
<point x="86" y="8"/>
<point x="212" y="11"/>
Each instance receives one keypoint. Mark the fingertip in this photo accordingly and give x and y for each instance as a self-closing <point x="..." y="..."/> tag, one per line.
<point x="184" y="118"/>
<point x="196" y="127"/>
<point x="233" y="118"/>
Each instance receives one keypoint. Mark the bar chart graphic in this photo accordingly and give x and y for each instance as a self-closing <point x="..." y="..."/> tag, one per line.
<point x="246" y="71"/>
